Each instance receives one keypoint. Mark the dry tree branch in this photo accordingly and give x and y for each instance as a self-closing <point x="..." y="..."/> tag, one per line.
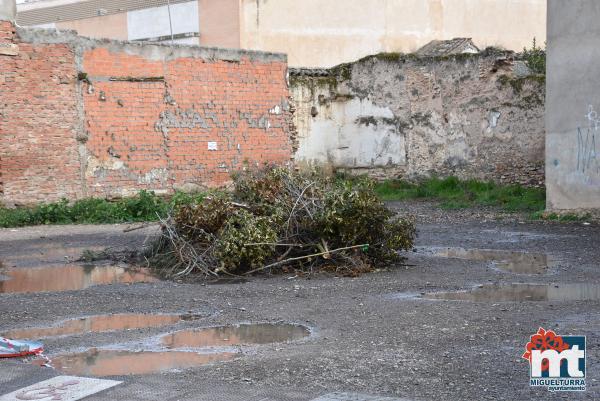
<point x="304" y="257"/>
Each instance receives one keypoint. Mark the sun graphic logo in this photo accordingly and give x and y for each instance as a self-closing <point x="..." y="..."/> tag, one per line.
<point x="556" y="362"/>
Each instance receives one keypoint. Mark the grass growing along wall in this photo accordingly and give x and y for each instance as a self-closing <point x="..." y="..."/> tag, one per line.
<point x="145" y="206"/>
<point x="454" y="193"/>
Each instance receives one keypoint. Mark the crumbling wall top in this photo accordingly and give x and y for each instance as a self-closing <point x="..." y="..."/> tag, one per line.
<point x="148" y="50"/>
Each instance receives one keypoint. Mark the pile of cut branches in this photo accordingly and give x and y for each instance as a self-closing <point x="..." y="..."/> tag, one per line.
<point x="278" y="219"/>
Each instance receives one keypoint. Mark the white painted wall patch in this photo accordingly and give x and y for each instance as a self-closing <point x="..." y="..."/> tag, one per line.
<point x="494" y="117"/>
<point x="9" y="49"/>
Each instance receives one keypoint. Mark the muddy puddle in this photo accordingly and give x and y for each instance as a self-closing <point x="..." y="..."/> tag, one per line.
<point x="246" y="334"/>
<point x="68" y="278"/>
<point x="524" y="292"/>
<point x="95" y="324"/>
<point x="101" y="363"/>
<point x="510" y="261"/>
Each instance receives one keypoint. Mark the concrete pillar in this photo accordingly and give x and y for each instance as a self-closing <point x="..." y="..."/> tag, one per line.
<point x="573" y="105"/>
<point x="8" y="10"/>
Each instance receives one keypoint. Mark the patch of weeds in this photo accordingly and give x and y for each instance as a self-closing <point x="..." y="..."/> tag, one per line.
<point x="145" y="206"/>
<point x="561" y="217"/>
<point x="343" y="71"/>
<point x="517" y="84"/>
<point x="328" y="83"/>
<point x="391" y="57"/>
<point x="182" y="198"/>
<point x="457" y="194"/>
<point x="535" y="58"/>
<point x="389" y="190"/>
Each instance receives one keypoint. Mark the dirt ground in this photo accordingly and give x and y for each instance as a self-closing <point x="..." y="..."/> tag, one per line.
<point x="377" y="334"/>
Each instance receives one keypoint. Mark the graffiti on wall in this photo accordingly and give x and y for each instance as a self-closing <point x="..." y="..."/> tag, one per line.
<point x="588" y="162"/>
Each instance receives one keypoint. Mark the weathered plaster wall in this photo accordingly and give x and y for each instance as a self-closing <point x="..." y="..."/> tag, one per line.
<point x="573" y="122"/>
<point x="317" y="33"/>
<point x="220" y="23"/>
<point x="346" y="132"/>
<point x="8" y="10"/>
<point x="392" y="115"/>
<point x="112" y="26"/>
<point x="101" y="118"/>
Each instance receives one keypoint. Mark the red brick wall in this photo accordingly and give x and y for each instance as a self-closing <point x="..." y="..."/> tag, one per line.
<point x="160" y="129"/>
<point x="38" y="109"/>
<point x="130" y="117"/>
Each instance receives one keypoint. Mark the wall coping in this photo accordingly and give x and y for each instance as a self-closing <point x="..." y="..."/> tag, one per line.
<point x="149" y="50"/>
